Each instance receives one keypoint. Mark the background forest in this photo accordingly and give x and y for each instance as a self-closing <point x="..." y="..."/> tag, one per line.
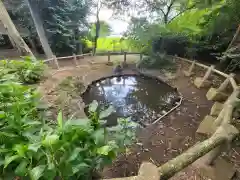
<point x="193" y="28"/>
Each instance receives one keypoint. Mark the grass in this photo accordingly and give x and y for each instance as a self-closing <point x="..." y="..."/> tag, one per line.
<point x="115" y="44"/>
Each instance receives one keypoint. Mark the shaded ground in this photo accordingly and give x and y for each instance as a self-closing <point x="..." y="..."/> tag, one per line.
<point x="157" y="143"/>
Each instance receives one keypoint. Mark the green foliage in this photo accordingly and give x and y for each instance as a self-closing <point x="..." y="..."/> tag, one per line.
<point x="74" y="149"/>
<point x="114" y="44"/>
<point x="105" y="30"/>
<point x="25" y="71"/>
<point x="32" y="148"/>
<point x="157" y="61"/>
<point x="65" y="22"/>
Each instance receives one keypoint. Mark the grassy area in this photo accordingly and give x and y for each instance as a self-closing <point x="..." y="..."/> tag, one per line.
<point x="113" y="44"/>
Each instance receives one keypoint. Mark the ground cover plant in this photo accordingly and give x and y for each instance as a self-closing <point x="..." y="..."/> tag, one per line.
<point x="33" y="148"/>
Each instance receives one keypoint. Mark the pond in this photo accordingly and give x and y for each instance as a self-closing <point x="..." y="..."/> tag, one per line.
<point x="143" y="98"/>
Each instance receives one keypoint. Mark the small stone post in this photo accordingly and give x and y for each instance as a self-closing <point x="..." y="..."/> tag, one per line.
<point x="75" y="59"/>
<point x="56" y="61"/>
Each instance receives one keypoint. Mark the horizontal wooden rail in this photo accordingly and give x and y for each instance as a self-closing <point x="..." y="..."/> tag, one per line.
<point x="222" y="135"/>
<point x="47" y="60"/>
<point x="203" y="65"/>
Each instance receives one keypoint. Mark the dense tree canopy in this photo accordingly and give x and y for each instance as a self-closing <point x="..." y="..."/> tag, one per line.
<point x="203" y="27"/>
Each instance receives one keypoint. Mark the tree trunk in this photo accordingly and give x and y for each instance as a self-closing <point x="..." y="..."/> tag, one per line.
<point x="12" y="32"/>
<point x="39" y="27"/>
<point x="97" y="24"/>
<point x="32" y="43"/>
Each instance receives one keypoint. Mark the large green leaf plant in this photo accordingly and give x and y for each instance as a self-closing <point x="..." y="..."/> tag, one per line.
<point x="72" y="149"/>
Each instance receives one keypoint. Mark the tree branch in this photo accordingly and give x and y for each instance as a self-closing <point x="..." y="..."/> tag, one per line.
<point x="181" y="12"/>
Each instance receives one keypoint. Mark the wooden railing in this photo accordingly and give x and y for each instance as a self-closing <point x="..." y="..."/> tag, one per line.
<point x="222" y="131"/>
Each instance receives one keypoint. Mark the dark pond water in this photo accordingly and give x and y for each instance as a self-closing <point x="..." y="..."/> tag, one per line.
<point x="143" y="98"/>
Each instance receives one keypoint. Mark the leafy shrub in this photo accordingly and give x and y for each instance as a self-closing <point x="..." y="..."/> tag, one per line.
<point x="32" y="148"/>
<point x="157" y="61"/>
<point x="75" y="149"/>
<point x="26" y="71"/>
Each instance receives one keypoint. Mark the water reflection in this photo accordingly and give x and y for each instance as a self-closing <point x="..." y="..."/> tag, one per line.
<point x="142" y="98"/>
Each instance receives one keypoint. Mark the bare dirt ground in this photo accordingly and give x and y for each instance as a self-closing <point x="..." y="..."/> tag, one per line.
<point x="157" y="143"/>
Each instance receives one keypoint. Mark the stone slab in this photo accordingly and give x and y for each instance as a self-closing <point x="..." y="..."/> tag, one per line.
<point x="221" y="170"/>
<point x="147" y="171"/>
<point x="206" y="127"/>
<point x="214" y="95"/>
<point x="187" y="74"/>
<point x="199" y="84"/>
<point x="109" y="63"/>
<point x="216" y="109"/>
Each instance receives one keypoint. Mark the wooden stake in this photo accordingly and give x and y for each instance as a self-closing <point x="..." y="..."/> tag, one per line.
<point x="125" y="57"/>
<point x="207" y="74"/>
<point x="56" y="62"/>
<point x="75" y="59"/>
<point x="224" y="85"/>
<point x="191" y="67"/>
<point x="109" y="54"/>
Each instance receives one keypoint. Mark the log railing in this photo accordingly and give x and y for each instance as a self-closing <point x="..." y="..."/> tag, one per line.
<point x="222" y="134"/>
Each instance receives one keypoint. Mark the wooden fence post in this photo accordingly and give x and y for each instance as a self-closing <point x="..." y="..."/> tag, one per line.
<point x="109" y="59"/>
<point x="191" y="67"/>
<point x="125" y="57"/>
<point x="224" y="85"/>
<point x="141" y="56"/>
<point x="56" y="61"/>
<point x="190" y="71"/>
<point x="75" y="59"/>
<point x="208" y="73"/>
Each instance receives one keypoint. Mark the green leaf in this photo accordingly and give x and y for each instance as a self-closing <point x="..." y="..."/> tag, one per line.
<point x="60" y="120"/>
<point x="50" y="140"/>
<point x="85" y="123"/>
<point x="21" y="169"/>
<point x="2" y="114"/>
<point x="74" y="154"/>
<point x="34" y="147"/>
<point x="98" y="136"/>
<point x="106" y="112"/>
<point x="9" y="159"/>
<point x="21" y="149"/>
<point x="82" y="168"/>
<point x="37" y="172"/>
<point x="31" y="123"/>
<point x="93" y="106"/>
<point x="104" y="150"/>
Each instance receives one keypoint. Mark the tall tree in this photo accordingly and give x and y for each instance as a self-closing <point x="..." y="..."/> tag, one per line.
<point x="155" y="10"/>
<point x="13" y="34"/>
<point x="64" y="21"/>
<point x="104" y="31"/>
<point x="34" y="9"/>
<point x="96" y="8"/>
